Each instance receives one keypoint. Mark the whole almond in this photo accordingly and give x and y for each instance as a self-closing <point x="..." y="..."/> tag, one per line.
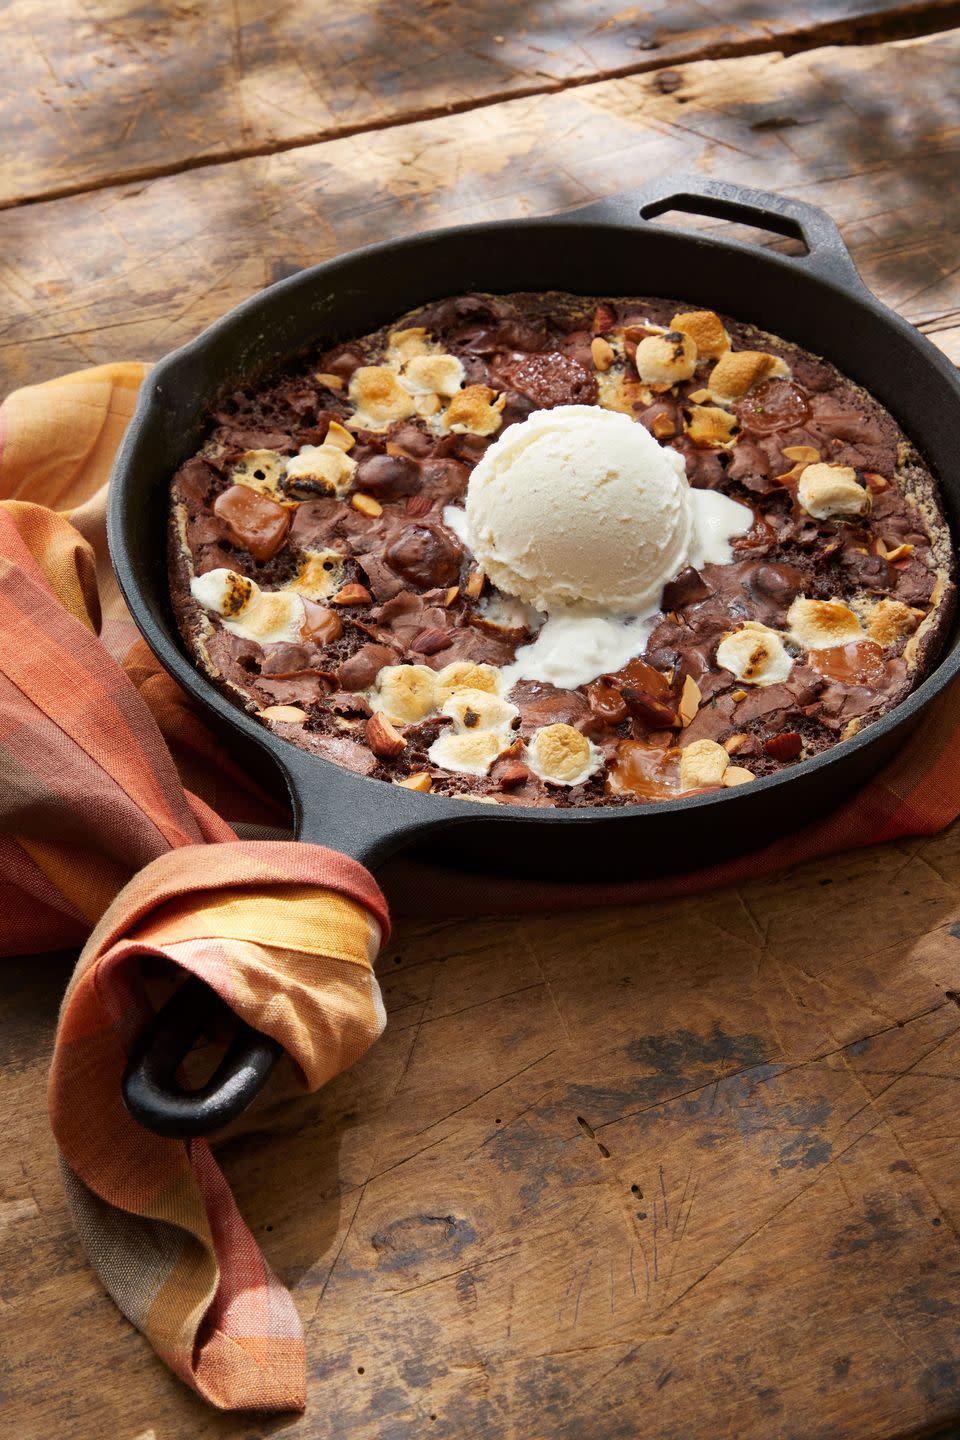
<point x="383" y="737"/>
<point x="786" y="746"/>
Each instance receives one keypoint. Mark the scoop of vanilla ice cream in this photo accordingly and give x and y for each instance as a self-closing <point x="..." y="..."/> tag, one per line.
<point x="580" y="506"/>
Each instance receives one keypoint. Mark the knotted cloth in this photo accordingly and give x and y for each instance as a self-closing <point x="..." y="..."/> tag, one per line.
<point x="108" y="773"/>
<point x="286" y="933"/>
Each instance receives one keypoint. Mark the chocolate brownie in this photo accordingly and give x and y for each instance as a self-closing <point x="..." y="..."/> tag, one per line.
<point x="319" y="577"/>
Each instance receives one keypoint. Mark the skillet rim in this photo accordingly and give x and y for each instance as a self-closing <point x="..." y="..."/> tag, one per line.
<point x="833" y="269"/>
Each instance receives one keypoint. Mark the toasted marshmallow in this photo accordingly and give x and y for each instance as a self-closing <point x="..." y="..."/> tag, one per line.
<point x="561" y="755"/>
<point x="474" y="411"/>
<point x="738" y="371"/>
<point x="379" y="398"/>
<point x="471" y="752"/>
<point x="666" y="359"/>
<point x="889" y="620"/>
<point x="820" y="624"/>
<point x="479" y="710"/>
<point x="403" y="345"/>
<point x="319" y="470"/>
<point x="433" y="375"/>
<point x="466" y="675"/>
<point x="709" y="426"/>
<point x="407" y="693"/>
<point x="826" y="490"/>
<point x="261" y="470"/>
<point x="702" y="763"/>
<point x="320" y="575"/>
<point x="620" y="392"/>
<point x="705" y="330"/>
<point x="266" y="616"/>
<point x="755" y="654"/>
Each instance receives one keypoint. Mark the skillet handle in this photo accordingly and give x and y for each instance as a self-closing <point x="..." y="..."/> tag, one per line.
<point x="151" y="1090"/>
<point x="326" y="812"/>
<point x="827" y="252"/>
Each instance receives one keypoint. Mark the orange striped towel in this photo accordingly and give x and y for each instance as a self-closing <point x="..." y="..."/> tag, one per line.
<point x="95" y="760"/>
<point x="286" y="933"/>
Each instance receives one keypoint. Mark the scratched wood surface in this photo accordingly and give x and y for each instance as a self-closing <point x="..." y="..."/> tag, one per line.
<point x="870" y="132"/>
<point x="92" y="92"/>
<point x="673" y="1171"/>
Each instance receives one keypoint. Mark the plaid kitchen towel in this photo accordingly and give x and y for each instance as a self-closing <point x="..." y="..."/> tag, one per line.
<point x="107" y="773"/>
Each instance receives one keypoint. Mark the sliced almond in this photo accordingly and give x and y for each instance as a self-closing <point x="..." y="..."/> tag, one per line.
<point x="663" y="427"/>
<point x="690" y="697"/>
<point x="332" y="382"/>
<point x="737" y="775"/>
<point x="339" y="436"/>
<point x="451" y="595"/>
<point x="366" y="505"/>
<point x="287" y="714"/>
<point x="900" y="552"/>
<point x="733" y="743"/>
<point x="420" y="780"/>
<point x="474" y="584"/>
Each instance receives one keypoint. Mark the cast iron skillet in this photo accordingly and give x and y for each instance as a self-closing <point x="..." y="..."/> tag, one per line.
<point x="817" y="300"/>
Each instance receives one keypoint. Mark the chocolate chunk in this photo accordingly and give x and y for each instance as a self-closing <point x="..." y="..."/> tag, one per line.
<point x="384" y="582"/>
<point x="687" y="589"/>
<point x="606" y="703"/>
<point x="775" y="405"/>
<point x="444" y="480"/>
<point x="387" y="477"/>
<point x="542" y="704"/>
<point x="426" y="556"/>
<point x="285" y="659"/>
<point x="342" y="361"/>
<point x="321" y="625"/>
<point x="548" y="380"/>
<point x="360" y="671"/>
<point x="773" y="587"/>
<point x="253" y="521"/>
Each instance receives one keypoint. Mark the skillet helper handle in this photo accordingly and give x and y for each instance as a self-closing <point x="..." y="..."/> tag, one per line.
<point x="151" y="1090"/>
<point x="827" y="252"/>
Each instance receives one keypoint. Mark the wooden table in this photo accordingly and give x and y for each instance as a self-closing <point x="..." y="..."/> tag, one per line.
<point x="675" y="1172"/>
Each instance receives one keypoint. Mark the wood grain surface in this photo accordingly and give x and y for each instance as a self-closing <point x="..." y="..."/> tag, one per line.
<point x="92" y="91"/>
<point x="871" y="133"/>
<point x="684" y="1171"/>
<point x="676" y="1171"/>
